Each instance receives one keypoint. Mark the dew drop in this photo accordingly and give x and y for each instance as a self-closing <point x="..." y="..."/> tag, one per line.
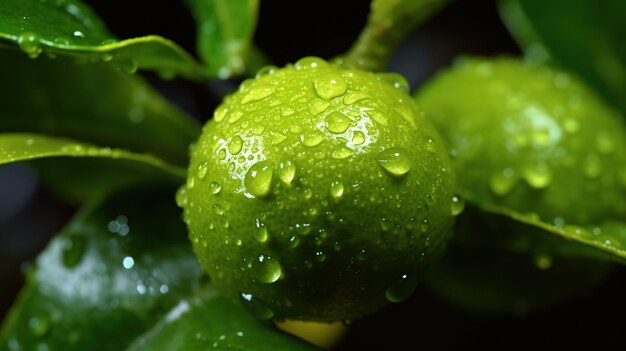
<point x="181" y="196"/>
<point x="220" y="114"/>
<point x="258" y="179"/>
<point x="358" y="138"/>
<point x="430" y="146"/>
<point x="286" y="171"/>
<point x="312" y="138"/>
<point x="266" y="70"/>
<point x="377" y="117"/>
<point x="330" y="86"/>
<point x="258" y="93"/>
<point x="257" y="307"/>
<point x="261" y="234"/>
<point x="235" y="145"/>
<point x="221" y="154"/>
<point x="235" y="116"/>
<point x="401" y="289"/>
<point x="318" y="106"/>
<point x="353" y="97"/>
<point x="29" y="44"/>
<point x="342" y="152"/>
<point x="202" y="170"/>
<point x="215" y="187"/>
<point x="217" y="209"/>
<point x="309" y="63"/>
<point x="337" y="122"/>
<point x="336" y="189"/>
<point x="266" y="269"/>
<point x="503" y="182"/>
<point x="395" y="161"/>
<point x="458" y="205"/>
<point x="537" y="175"/>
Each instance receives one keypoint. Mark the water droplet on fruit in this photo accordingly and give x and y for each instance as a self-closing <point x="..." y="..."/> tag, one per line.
<point x="266" y="269"/>
<point x="202" y="170"/>
<point x="358" y="138"/>
<point x="266" y="70"/>
<point x="377" y="117"/>
<point x="258" y="179"/>
<point x="181" y="196"/>
<point x="29" y="44"/>
<point x="395" y="161"/>
<point x="235" y="145"/>
<point x="312" y="138"/>
<point x="337" y="122"/>
<point x="330" y="86"/>
<point x="257" y="307"/>
<point x="215" y="187"/>
<point x="341" y="152"/>
<point x="401" y="289"/>
<point x="286" y="171"/>
<point x="537" y="175"/>
<point x="261" y="235"/>
<point x="258" y="93"/>
<point x="310" y="62"/>
<point x="458" y="205"/>
<point x="217" y="209"/>
<point x="318" y="106"/>
<point x="336" y="189"/>
<point x="220" y="113"/>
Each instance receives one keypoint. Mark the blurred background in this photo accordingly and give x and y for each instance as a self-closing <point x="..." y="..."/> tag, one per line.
<point x="30" y="216"/>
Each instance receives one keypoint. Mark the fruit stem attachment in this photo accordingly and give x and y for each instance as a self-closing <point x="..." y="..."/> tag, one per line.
<point x="388" y="24"/>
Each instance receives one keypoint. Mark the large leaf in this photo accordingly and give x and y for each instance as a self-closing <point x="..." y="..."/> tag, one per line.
<point x="92" y="103"/>
<point x="70" y="28"/>
<point x="225" y="31"/>
<point x="496" y="265"/>
<point x="211" y="322"/>
<point x="116" y="268"/>
<point x="583" y="36"/>
<point x="388" y="24"/>
<point x="79" y="171"/>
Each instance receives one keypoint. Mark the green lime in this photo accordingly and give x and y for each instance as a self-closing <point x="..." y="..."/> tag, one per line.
<point x="318" y="193"/>
<point x="532" y="139"/>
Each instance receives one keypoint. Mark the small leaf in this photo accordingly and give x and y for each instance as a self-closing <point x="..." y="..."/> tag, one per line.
<point x="495" y="265"/>
<point x="225" y="32"/>
<point x="15" y="147"/>
<point x="211" y="321"/>
<point x="71" y="28"/>
<point x="119" y="265"/>
<point x="92" y="103"/>
<point x="387" y="26"/>
<point x="585" y="37"/>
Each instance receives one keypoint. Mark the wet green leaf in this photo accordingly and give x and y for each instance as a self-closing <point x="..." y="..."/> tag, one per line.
<point x="584" y="36"/>
<point x="92" y="103"/>
<point x="15" y="147"/>
<point x="388" y="24"/>
<point x="495" y="265"/>
<point x="225" y="31"/>
<point x="70" y="27"/>
<point x="116" y="268"/>
<point x="213" y="322"/>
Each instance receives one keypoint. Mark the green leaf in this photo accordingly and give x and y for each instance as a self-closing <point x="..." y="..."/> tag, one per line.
<point x="388" y="24"/>
<point x="15" y="147"/>
<point x="225" y="32"/>
<point x="210" y="322"/>
<point x="119" y="265"/>
<point x="495" y="265"/>
<point x="584" y="36"/>
<point x="69" y="27"/>
<point x="608" y="237"/>
<point x="92" y="103"/>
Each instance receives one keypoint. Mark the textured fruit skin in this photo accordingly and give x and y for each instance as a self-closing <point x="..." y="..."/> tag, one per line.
<point x="297" y="156"/>
<point x="532" y="139"/>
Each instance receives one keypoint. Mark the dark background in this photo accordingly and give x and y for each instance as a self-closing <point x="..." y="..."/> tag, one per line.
<point x="287" y="31"/>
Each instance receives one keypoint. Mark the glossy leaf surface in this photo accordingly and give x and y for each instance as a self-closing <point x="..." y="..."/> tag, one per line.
<point x="117" y="267"/>
<point x="213" y="322"/>
<point x="69" y="27"/>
